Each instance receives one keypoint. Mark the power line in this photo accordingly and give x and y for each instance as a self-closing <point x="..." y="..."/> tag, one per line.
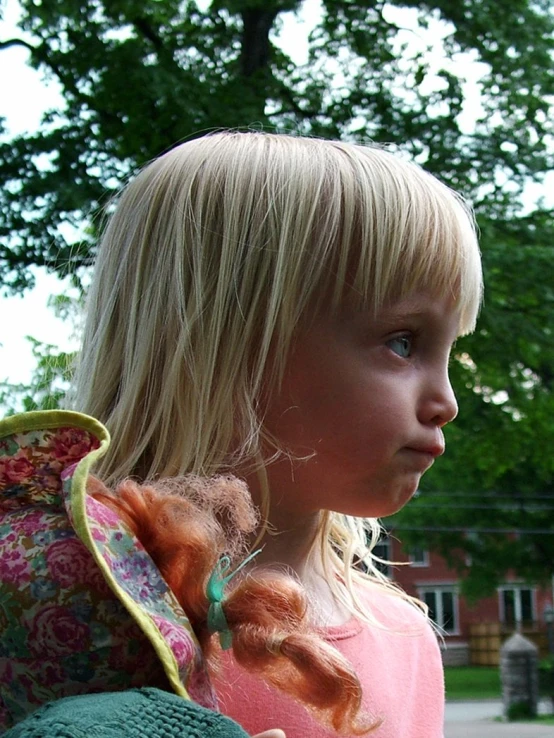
<point x="515" y="505"/>
<point x="488" y="495"/>
<point x="466" y="529"/>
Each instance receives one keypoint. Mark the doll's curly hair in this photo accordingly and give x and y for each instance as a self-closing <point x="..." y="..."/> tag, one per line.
<point x="186" y="524"/>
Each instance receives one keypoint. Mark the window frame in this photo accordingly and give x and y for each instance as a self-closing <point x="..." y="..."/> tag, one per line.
<point x="385" y="569"/>
<point x="438" y="590"/>
<point x="416" y="563"/>
<point x="517" y="588"/>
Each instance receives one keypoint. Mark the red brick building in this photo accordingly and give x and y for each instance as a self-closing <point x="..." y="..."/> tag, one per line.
<point x="472" y="634"/>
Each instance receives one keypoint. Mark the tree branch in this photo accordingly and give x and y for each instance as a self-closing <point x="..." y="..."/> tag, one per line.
<point x="255" y="53"/>
<point x="142" y="25"/>
<point x="17" y="42"/>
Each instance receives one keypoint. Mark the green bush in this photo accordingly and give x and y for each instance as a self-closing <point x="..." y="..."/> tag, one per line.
<point x="520" y="711"/>
<point x="546" y="676"/>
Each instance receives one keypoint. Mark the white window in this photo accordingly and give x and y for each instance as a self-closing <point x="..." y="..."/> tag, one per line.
<point x="443" y="607"/>
<point x="419" y="557"/>
<point x="383" y="551"/>
<point x="517" y="604"/>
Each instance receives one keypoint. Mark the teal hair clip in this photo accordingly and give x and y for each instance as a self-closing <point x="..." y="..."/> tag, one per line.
<point x="215" y="591"/>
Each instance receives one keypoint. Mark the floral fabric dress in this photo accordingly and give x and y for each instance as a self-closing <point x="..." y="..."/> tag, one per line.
<point x="83" y="607"/>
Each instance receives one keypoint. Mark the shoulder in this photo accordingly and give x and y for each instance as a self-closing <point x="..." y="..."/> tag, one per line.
<point x="400" y="635"/>
<point x="392" y="609"/>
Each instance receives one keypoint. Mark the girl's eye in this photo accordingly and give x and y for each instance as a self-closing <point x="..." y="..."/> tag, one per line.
<point x="401" y="345"/>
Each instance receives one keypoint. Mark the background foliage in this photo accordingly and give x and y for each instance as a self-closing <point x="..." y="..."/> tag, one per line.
<point x="139" y="77"/>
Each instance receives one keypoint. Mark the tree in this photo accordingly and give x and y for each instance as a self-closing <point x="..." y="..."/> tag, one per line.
<point x="137" y="77"/>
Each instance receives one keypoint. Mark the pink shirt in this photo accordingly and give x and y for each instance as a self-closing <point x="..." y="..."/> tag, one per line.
<point x="400" y="670"/>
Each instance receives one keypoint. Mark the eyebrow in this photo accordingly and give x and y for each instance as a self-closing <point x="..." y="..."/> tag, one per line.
<point x="390" y="315"/>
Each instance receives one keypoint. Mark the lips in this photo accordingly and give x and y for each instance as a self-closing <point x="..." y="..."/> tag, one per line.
<point x="434" y="450"/>
<point x="423" y="457"/>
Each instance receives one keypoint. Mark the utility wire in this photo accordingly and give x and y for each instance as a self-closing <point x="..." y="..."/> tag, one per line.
<point x="467" y="529"/>
<point x="514" y="505"/>
<point x="487" y="495"/>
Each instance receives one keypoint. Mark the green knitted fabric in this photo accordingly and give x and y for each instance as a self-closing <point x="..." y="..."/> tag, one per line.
<point x="135" y="713"/>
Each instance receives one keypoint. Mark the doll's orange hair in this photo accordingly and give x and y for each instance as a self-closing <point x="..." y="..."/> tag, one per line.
<point x="186" y="525"/>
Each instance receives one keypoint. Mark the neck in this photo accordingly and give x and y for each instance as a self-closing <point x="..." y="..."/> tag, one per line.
<point x="292" y="542"/>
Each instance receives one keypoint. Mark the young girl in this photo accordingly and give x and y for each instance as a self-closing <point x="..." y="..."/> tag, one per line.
<point x="284" y="309"/>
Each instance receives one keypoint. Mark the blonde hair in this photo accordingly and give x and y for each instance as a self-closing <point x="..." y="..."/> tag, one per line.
<point x="215" y="254"/>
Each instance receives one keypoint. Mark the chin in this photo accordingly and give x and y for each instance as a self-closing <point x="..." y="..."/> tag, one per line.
<point x="388" y="504"/>
<point x="392" y="510"/>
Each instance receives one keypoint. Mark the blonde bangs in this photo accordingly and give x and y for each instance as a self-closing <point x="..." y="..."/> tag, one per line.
<point x="400" y="231"/>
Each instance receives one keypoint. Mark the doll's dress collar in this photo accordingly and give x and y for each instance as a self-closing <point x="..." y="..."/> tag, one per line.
<point x="59" y="548"/>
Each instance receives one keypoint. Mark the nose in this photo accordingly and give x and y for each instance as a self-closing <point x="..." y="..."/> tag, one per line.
<point x="440" y="406"/>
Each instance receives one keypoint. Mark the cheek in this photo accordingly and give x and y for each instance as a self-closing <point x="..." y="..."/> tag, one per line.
<point x="331" y="396"/>
<point x="328" y="419"/>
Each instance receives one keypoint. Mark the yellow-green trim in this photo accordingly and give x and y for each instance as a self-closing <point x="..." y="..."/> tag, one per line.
<point x="43" y="419"/>
<point x="78" y="499"/>
<point x="47" y="419"/>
